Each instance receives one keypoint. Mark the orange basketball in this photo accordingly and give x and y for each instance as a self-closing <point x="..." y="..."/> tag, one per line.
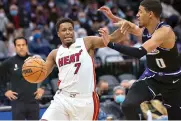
<point x="34" y="70"/>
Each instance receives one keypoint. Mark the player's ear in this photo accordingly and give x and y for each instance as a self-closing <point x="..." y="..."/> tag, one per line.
<point x="58" y="34"/>
<point x="151" y="14"/>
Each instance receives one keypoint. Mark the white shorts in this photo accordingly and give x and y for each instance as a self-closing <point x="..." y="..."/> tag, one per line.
<point x="66" y="106"/>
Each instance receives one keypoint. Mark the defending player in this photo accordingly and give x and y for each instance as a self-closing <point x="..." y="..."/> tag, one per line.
<point x="163" y="72"/>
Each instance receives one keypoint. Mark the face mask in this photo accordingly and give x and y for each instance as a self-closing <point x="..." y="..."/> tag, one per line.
<point x="10" y="30"/>
<point x="76" y="27"/>
<point x="82" y="35"/>
<point x="51" y="25"/>
<point x="37" y="36"/>
<point x="110" y="4"/>
<point x="51" y="4"/>
<point x="13" y="12"/>
<point x="104" y="92"/>
<point x="2" y="15"/>
<point x="82" y="20"/>
<point x="31" y="26"/>
<point x="74" y="9"/>
<point x="120" y="98"/>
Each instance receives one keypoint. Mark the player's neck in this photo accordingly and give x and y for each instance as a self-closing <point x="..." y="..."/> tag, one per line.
<point x="152" y="25"/>
<point x="67" y="45"/>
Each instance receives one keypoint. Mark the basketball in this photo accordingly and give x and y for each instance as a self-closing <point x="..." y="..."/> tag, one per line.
<point x="34" y="70"/>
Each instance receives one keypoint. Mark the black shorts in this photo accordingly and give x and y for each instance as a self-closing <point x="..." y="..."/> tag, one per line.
<point x="170" y="90"/>
<point x="147" y="89"/>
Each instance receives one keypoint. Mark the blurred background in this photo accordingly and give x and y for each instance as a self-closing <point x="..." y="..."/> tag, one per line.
<point x="36" y="19"/>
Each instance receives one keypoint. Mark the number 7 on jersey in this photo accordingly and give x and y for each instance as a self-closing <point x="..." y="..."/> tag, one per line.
<point x="77" y="65"/>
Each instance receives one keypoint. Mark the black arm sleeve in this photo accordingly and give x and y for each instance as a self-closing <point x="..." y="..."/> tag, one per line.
<point x="130" y="51"/>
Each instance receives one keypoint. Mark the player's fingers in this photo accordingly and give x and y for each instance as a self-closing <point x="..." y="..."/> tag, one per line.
<point x="101" y="31"/>
<point x="105" y="7"/>
<point x="27" y="59"/>
<point x="13" y="97"/>
<point x="36" y="97"/>
<point x="122" y="26"/>
<point x="101" y="34"/>
<point x="118" y="24"/>
<point x="35" y="92"/>
<point x="125" y="29"/>
<point x="102" y="8"/>
<point x="36" y="56"/>
<point x="10" y="98"/>
<point x="15" y="93"/>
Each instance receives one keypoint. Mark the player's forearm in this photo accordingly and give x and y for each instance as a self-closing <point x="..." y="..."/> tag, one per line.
<point x="116" y="36"/>
<point x="135" y="29"/>
<point x="130" y="51"/>
<point x="49" y="69"/>
<point x="116" y="19"/>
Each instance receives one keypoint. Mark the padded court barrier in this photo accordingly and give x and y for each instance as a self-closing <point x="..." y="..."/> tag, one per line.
<point x="5" y="112"/>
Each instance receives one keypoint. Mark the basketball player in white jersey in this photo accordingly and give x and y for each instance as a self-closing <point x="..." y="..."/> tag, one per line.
<point x="76" y="98"/>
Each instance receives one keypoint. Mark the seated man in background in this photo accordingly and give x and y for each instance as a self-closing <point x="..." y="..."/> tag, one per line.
<point x="113" y="108"/>
<point x="38" y="45"/>
<point x="102" y="88"/>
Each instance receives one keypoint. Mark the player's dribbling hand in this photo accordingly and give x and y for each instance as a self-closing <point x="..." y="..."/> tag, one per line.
<point x="124" y="26"/>
<point x="105" y="35"/>
<point x="108" y="13"/>
<point x="11" y="95"/>
<point x="33" y="57"/>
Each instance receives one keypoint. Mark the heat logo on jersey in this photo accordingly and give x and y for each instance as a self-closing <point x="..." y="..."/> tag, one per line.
<point x="69" y="59"/>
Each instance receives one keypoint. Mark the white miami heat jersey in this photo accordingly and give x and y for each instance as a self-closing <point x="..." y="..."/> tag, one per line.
<point x="76" y="70"/>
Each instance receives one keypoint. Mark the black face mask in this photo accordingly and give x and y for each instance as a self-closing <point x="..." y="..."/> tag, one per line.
<point x="104" y="92"/>
<point x="10" y="30"/>
<point x="74" y="9"/>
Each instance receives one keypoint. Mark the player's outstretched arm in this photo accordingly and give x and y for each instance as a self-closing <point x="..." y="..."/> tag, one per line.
<point x="93" y="42"/>
<point x="125" y="26"/>
<point x="157" y="39"/>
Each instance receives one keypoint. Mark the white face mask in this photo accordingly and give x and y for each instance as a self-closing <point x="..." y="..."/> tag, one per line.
<point x="2" y="15"/>
<point x="31" y="26"/>
<point x="76" y="27"/>
<point x="51" y="4"/>
<point x="51" y="25"/>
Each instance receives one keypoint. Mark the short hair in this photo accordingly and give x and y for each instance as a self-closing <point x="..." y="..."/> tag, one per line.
<point x="17" y="38"/>
<point x="118" y="88"/>
<point x="152" y="5"/>
<point x="63" y="20"/>
<point x="101" y="81"/>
